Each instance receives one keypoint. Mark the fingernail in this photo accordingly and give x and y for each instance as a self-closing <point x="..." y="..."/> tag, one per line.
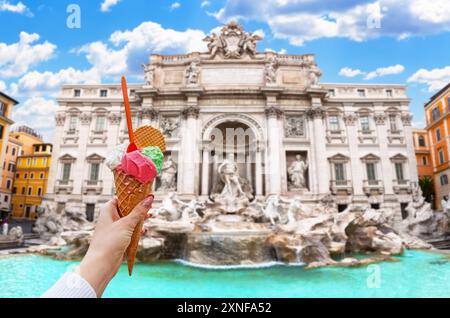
<point x="148" y="201"/>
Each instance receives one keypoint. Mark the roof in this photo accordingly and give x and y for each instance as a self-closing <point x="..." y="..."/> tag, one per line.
<point x="9" y="98"/>
<point x="437" y="94"/>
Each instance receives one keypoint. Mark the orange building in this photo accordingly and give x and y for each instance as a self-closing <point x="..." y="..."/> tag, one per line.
<point x="437" y="112"/>
<point x="423" y="154"/>
<point x="13" y="150"/>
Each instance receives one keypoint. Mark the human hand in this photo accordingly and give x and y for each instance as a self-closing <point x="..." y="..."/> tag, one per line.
<point x="111" y="238"/>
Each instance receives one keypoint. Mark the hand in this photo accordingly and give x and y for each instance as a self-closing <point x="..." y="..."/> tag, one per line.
<point x="111" y="238"/>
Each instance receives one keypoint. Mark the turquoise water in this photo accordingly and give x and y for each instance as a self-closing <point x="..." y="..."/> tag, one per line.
<point x="417" y="274"/>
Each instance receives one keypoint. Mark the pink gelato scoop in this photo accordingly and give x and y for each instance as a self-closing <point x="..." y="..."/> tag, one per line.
<point x="138" y="166"/>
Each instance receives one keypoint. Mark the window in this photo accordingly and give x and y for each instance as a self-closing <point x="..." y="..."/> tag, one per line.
<point x="339" y="173"/>
<point x="438" y="134"/>
<point x="39" y="193"/>
<point x="14" y="151"/>
<point x="399" y="171"/>
<point x="424" y="161"/>
<point x="371" y="173"/>
<point x="3" y="108"/>
<point x="14" y="190"/>
<point x="422" y="141"/>
<point x="361" y="92"/>
<point x="73" y="121"/>
<point x="1" y="131"/>
<point x="41" y="176"/>
<point x="77" y="93"/>
<point x="8" y="184"/>
<point x="94" y="173"/>
<point x="103" y="93"/>
<point x="17" y="175"/>
<point x="389" y="93"/>
<point x="34" y="161"/>
<point x="365" y="125"/>
<point x="444" y="179"/>
<point x="44" y="161"/>
<point x="100" y="124"/>
<point x="23" y="190"/>
<point x="132" y="92"/>
<point x="334" y="123"/>
<point x="30" y="190"/>
<point x="441" y="156"/>
<point x="6" y="198"/>
<point x="7" y="149"/>
<point x="11" y="167"/>
<point x="31" y="175"/>
<point x="66" y="171"/>
<point x="393" y="122"/>
<point x="435" y="113"/>
<point x="25" y="175"/>
<point x="28" y="162"/>
<point x="332" y="92"/>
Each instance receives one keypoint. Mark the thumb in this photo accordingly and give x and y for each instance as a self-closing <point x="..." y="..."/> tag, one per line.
<point x="138" y="214"/>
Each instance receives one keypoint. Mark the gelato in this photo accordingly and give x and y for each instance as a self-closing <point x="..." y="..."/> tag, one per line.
<point x="114" y="158"/>
<point x="138" y="166"/>
<point x="156" y="155"/>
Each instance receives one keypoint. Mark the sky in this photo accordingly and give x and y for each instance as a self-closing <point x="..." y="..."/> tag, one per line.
<point x="45" y="44"/>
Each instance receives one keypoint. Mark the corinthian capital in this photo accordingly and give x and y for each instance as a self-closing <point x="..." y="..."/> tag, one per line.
<point x="379" y="118"/>
<point x="316" y="112"/>
<point x="407" y="119"/>
<point x="60" y="119"/>
<point x="350" y="119"/>
<point x="274" y="111"/>
<point x="191" y="111"/>
<point x="85" y="118"/>
<point x="149" y="112"/>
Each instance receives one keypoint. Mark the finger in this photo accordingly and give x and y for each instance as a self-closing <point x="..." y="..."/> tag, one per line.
<point x="107" y="212"/>
<point x="138" y="213"/>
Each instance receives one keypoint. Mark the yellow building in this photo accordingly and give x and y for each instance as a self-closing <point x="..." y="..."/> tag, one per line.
<point x="13" y="151"/>
<point x="6" y="105"/>
<point x="33" y="164"/>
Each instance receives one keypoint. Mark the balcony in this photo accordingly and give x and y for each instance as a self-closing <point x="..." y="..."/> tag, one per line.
<point x="338" y="135"/>
<point x="98" y="135"/>
<point x="402" y="186"/>
<point x="367" y="135"/>
<point x="395" y="135"/>
<point x="71" y="135"/>
<point x="373" y="187"/>
<point x="344" y="187"/>
<point x="64" y="186"/>
<point x="93" y="186"/>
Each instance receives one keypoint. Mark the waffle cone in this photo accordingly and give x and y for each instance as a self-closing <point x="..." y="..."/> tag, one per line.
<point x="130" y="192"/>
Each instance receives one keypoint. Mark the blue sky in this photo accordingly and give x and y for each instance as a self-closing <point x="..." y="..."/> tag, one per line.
<point x="355" y="41"/>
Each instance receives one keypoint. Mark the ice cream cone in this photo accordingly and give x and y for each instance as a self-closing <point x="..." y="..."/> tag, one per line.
<point x="130" y="192"/>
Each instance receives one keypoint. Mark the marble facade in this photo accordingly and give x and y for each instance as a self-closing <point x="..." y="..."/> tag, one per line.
<point x="356" y="139"/>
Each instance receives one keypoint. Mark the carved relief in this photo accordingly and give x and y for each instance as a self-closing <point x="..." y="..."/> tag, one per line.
<point x="114" y="118"/>
<point x="170" y="127"/>
<point x="294" y="126"/>
<point x="270" y="71"/>
<point x="193" y="72"/>
<point x="149" y="74"/>
<point x="60" y="119"/>
<point x="85" y="118"/>
<point x="407" y="119"/>
<point x="350" y="119"/>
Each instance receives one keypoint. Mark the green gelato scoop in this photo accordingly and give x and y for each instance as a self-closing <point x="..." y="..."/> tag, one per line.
<point x="156" y="155"/>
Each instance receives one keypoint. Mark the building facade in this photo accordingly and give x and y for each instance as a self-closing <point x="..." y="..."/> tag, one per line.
<point x="437" y="112"/>
<point x="6" y="105"/>
<point x="13" y="150"/>
<point x="31" y="173"/>
<point x="300" y="137"/>
<point x="423" y="154"/>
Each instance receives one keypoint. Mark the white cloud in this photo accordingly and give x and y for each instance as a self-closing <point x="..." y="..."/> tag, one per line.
<point x="2" y="86"/>
<point x="107" y="4"/>
<point x="38" y="113"/>
<point x="175" y="5"/>
<point x="383" y="71"/>
<point x="17" y="58"/>
<point x="349" y="72"/>
<point x="300" y="21"/>
<point x="127" y="50"/>
<point x="435" y="78"/>
<point x="15" y="8"/>
<point x="49" y="83"/>
<point x="205" y="4"/>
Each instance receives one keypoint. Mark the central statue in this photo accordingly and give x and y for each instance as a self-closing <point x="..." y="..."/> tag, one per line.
<point x="229" y="174"/>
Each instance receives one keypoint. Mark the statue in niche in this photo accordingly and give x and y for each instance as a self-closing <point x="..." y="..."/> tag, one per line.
<point x="192" y="73"/>
<point x="149" y="74"/>
<point x="297" y="173"/>
<point x="271" y="71"/>
<point x="228" y="172"/>
<point x="168" y="175"/>
<point x="169" y="127"/>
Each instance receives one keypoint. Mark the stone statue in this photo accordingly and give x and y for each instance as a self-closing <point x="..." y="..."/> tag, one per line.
<point x="297" y="172"/>
<point x="314" y="75"/>
<point x="249" y="43"/>
<point x="169" y="209"/>
<point x="168" y="175"/>
<point x="149" y="74"/>
<point x="214" y="44"/>
<point x="272" y="209"/>
<point x="228" y="172"/>
<point x="270" y="72"/>
<point x="169" y="127"/>
<point x="192" y="73"/>
<point x="190" y="210"/>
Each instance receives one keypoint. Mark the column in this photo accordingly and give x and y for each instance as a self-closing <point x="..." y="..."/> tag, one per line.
<point x="357" y="168"/>
<point x="274" y="149"/>
<point x="114" y="119"/>
<point x="80" y="169"/>
<point x="205" y="171"/>
<point x="407" y="131"/>
<point x="318" y="140"/>
<point x="189" y="149"/>
<point x="386" y="164"/>
<point x="258" y="173"/>
<point x="60" y="120"/>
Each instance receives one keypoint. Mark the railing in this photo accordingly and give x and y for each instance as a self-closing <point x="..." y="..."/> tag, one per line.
<point x="341" y="185"/>
<point x="64" y="186"/>
<point x="401" y="186"/>
<point x="93" y="185"/>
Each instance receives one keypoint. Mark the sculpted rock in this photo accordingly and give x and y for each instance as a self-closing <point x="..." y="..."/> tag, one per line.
<point x="78" y="242"/>
<point x="149" y="249"/>
<point x="16" y="233"/>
